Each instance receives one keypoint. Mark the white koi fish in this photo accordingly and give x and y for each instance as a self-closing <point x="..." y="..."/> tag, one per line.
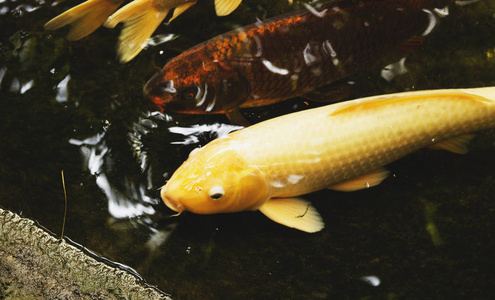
<point x="140" y="18"/>
<point x="342" y="146"/>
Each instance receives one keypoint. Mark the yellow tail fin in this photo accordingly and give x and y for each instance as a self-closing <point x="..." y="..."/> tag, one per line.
<point x="180" y="9"/>
<point x="84" y="18"/>
<point x="140" y="18"/>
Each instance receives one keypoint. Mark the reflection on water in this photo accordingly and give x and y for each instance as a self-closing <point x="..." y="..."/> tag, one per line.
<point x="192" y="134"/>
<point x="133" y="202"/>
<point x="63" y="90"/>
<point x="391" y="71"/>
<point x="371" y="280"/>
<point x="425" y="233"/>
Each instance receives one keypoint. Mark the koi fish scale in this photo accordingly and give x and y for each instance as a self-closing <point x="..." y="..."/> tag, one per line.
<point x="343" y="146"/>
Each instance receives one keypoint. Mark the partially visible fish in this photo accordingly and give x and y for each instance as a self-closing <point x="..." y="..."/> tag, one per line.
<point x="287" y="56"/>
<point x="342" y="146"/>
<point x="140" y="17"/>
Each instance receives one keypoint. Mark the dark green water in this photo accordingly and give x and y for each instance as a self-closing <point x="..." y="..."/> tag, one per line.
<point x="428" y="232"/>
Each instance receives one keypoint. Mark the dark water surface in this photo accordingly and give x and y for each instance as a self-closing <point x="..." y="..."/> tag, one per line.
<point x="427" y="232"/>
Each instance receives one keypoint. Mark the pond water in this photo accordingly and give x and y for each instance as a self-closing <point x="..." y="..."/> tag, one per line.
<point x="426" y="232"/>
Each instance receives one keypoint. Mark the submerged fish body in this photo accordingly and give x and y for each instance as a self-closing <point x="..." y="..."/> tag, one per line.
<point x="140" y="18"/>
<point x="287" y="56"/>
<point x="343" y="146"/>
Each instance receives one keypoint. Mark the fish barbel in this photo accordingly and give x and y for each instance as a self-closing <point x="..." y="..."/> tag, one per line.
<point x="140" y="18"/>
<point x="287" y="56"/>
<point x="342" y="146"/>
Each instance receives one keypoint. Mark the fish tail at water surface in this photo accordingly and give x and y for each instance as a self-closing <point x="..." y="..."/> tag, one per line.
<point x="141" y="18"/>
<point x="84" y="18"/>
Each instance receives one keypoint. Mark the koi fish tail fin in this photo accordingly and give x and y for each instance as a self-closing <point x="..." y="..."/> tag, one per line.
<point x="225" y="7"/>
<point x="180" y="9"/>
<point x="84" y="18"/>
<point x="140" y="18"/>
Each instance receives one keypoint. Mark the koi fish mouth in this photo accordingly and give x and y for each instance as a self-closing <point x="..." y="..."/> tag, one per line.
<point x="171" y="203"/>
<point x="159" y="90"/>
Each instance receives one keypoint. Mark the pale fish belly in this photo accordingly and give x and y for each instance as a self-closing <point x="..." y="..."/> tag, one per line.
<point x="316" y="149"/>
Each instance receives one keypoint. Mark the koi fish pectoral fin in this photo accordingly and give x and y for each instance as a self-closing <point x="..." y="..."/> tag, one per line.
<point x="293" y="212"/>
<point x="456" y="145"/>
<point x="362" y="182"/>
<point x="225" y="7"/>
<point x="84" y="18"/>
<point x="330" y="93"/>
<point x="236" y="118"/>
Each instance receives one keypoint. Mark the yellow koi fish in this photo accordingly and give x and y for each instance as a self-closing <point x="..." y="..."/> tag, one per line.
<point x="342" y="146"/>
<point x="140" y="17"/>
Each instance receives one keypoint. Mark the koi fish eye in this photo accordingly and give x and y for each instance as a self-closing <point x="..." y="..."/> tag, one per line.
<point x="216" y="192"/>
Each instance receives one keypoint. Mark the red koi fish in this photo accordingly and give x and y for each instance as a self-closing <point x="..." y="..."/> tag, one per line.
<point x="287" y="56"/>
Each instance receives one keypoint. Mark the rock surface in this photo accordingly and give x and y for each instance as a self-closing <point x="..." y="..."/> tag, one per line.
<point x="36" y="265"/>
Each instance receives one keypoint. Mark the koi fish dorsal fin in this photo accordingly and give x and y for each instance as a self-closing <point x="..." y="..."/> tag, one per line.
<point x="84" y="18"/>
<point x="140" y="18"/>
<point x="293" y="212"/>
<point x="483" y="95"/>
<point x="225" y="7"/>
<point x="333" y="92"/>
<point x="456" y="145"/>
<point x="362" y="182"/>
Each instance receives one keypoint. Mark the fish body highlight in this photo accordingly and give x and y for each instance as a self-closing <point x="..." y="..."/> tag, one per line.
<point x="342" y="146"/>
<point x="287" y="56"/>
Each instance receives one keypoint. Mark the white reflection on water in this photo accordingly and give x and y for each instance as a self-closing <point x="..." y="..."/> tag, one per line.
<point x="274" y="69"/>
<point x="314" y="11"/>
<point x="17" y="86"/>
<point x="63" y="90"/>
<point x="27" y="86"/>
<point x="144" y="125"/>
<point x="371" y="280"/>
<point x="160" y="39"/>
<point x="128" y="204"/>
<point x="465" y="2"/>
<point x="159" y="237"/>
<point x="391" y="71"/>
<point x="25" y="8"/>
<point x="432" y="22"/>
<point x="2" y="73"/>
<point x="442" y="12"/>
<point x="192" y="133"/>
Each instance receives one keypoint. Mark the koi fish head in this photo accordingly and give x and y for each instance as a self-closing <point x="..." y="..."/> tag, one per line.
<point x="214" y="179"/>
<point x="191" y="84"/>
